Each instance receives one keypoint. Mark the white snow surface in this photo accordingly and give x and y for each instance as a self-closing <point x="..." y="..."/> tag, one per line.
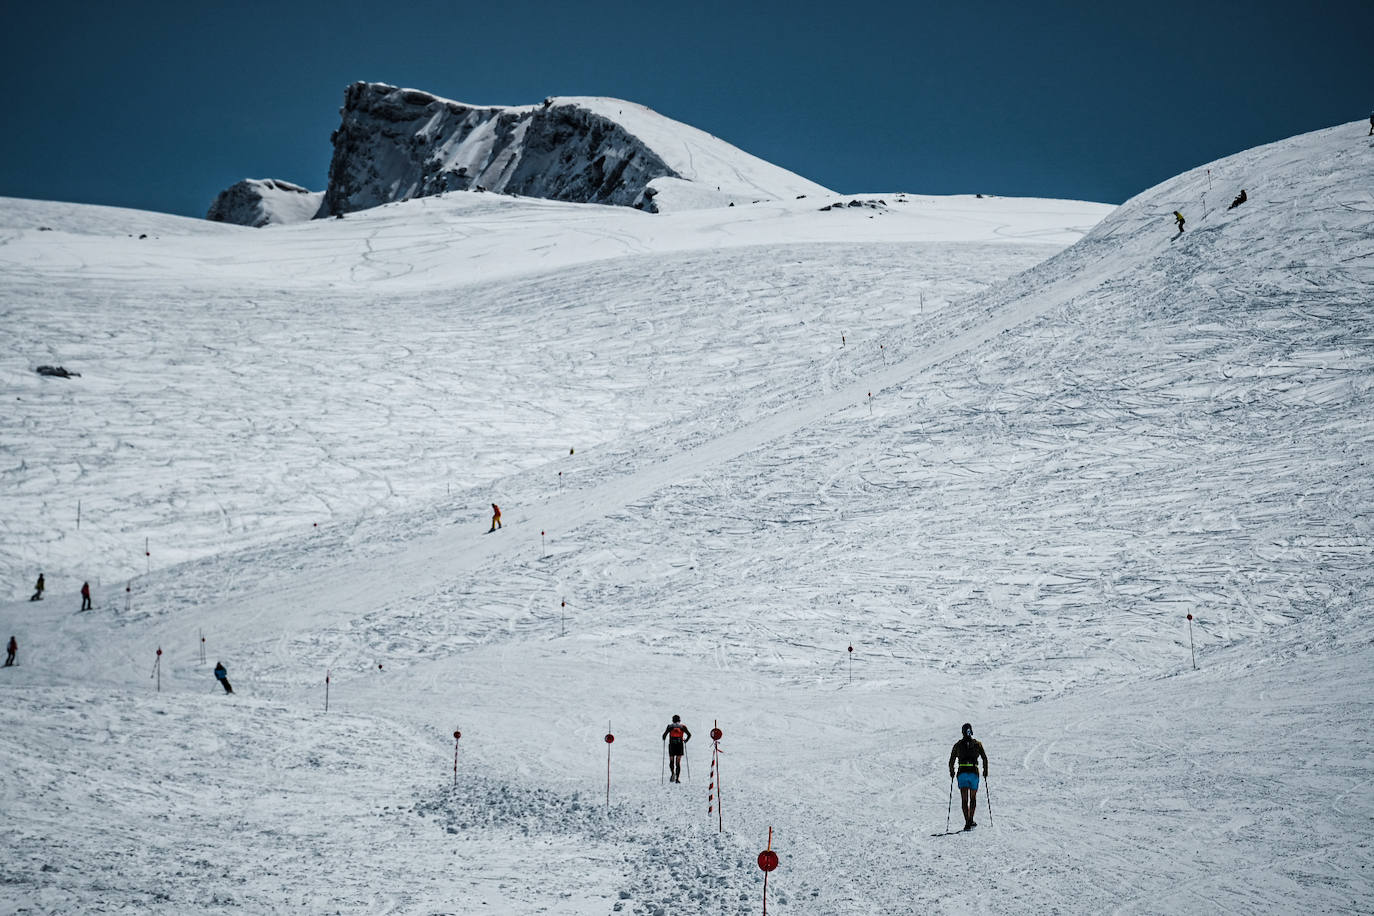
<point x="1004" y="488"/>
<point x="719" y="172"/>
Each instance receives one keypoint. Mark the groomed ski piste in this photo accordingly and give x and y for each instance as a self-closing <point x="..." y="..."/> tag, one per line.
<point x="1000" y="447"/>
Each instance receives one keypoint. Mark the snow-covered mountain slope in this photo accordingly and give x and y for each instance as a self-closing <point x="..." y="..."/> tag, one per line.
<point x="462" y="239"/>
<point x="259" y="202"/>
<point x="1004" y="496"/>
<point x="395" y="144"/>
<point x="445" y="297"/>
<point x="20" y="218"/>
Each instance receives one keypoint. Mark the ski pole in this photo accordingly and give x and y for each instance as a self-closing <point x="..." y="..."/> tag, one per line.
<point x="989" y="782"/>
<point x="687" y="760"/>
<point x="950" y="808"/>
<point x="663" y="770"/>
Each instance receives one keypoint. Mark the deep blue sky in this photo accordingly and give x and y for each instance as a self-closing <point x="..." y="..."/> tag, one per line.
<point x="160" y="105"/>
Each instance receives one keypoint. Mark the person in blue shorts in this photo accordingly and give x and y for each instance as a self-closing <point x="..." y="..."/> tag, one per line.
<point x="965" y="756"/>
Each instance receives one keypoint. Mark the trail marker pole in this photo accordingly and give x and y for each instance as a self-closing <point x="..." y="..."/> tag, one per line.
<point x="870" y="403"/>
<point x="326" y="690"/>
<point x="842" y="341"/>
<point x="1191" y="651"/>
<point x="128" y="597"/>
<point x="202" y="647"/>
<point x="610" y="739"/>
<point x="543" y="549"/>
<point x="456" y="735"/>
<point x="715" y="798"/>
<point x="147" y="556"/>
<point x="768" y="860"/>
<point x="562" y="615"/>
<point x="560" y="481"/>
<point x="78" y="515"/>
<point x="851" y="666"/>
<point x="157" y="669"/>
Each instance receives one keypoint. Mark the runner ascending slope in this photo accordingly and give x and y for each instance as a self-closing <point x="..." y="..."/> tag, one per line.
<point x="677" y="735"/>
<point x="966" y="752"/>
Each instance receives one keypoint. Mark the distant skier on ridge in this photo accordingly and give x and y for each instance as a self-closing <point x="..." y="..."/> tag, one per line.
<point x="85" y="596"/>
<point x="38" y="589"/>
<point x="222" y="675"/>
<point x="965" y="753"/>
<point x="12" y="648"/>
<point x="1178" y="218"/>
<point x="495" y="518"/>
<point x="677" y="735"/>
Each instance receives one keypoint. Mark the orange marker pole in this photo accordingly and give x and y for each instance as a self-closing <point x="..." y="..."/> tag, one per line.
<point x="1191" y="651"/>
<point x="610" y="739"/>
<point x="768" y="860"/>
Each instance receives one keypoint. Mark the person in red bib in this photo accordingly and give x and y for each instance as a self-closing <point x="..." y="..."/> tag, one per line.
<point x="677" y="735"/>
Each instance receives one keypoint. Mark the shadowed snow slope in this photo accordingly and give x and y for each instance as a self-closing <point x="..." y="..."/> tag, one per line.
<point x="795" y="432"/>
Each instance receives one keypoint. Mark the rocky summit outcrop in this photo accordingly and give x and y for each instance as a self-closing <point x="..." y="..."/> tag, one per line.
<point x="395" y="144"/>
<point x="264" y="202"/>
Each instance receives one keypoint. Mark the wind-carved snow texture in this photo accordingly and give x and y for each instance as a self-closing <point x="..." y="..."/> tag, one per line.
<point x="395" y="144"/>
<point x="265" y="202"/>
<point x="1004" y="495"/>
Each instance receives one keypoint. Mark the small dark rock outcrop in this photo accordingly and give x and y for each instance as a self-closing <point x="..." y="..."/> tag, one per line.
<point x="56" y="372"/>
<point x="262" y="202"/>
<point x="856" y="203"/>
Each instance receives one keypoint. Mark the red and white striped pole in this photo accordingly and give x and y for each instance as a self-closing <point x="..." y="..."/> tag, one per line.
<point x="715" y="799"/>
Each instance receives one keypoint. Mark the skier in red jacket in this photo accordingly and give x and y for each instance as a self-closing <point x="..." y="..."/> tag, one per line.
<point x="495" y="518"/>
